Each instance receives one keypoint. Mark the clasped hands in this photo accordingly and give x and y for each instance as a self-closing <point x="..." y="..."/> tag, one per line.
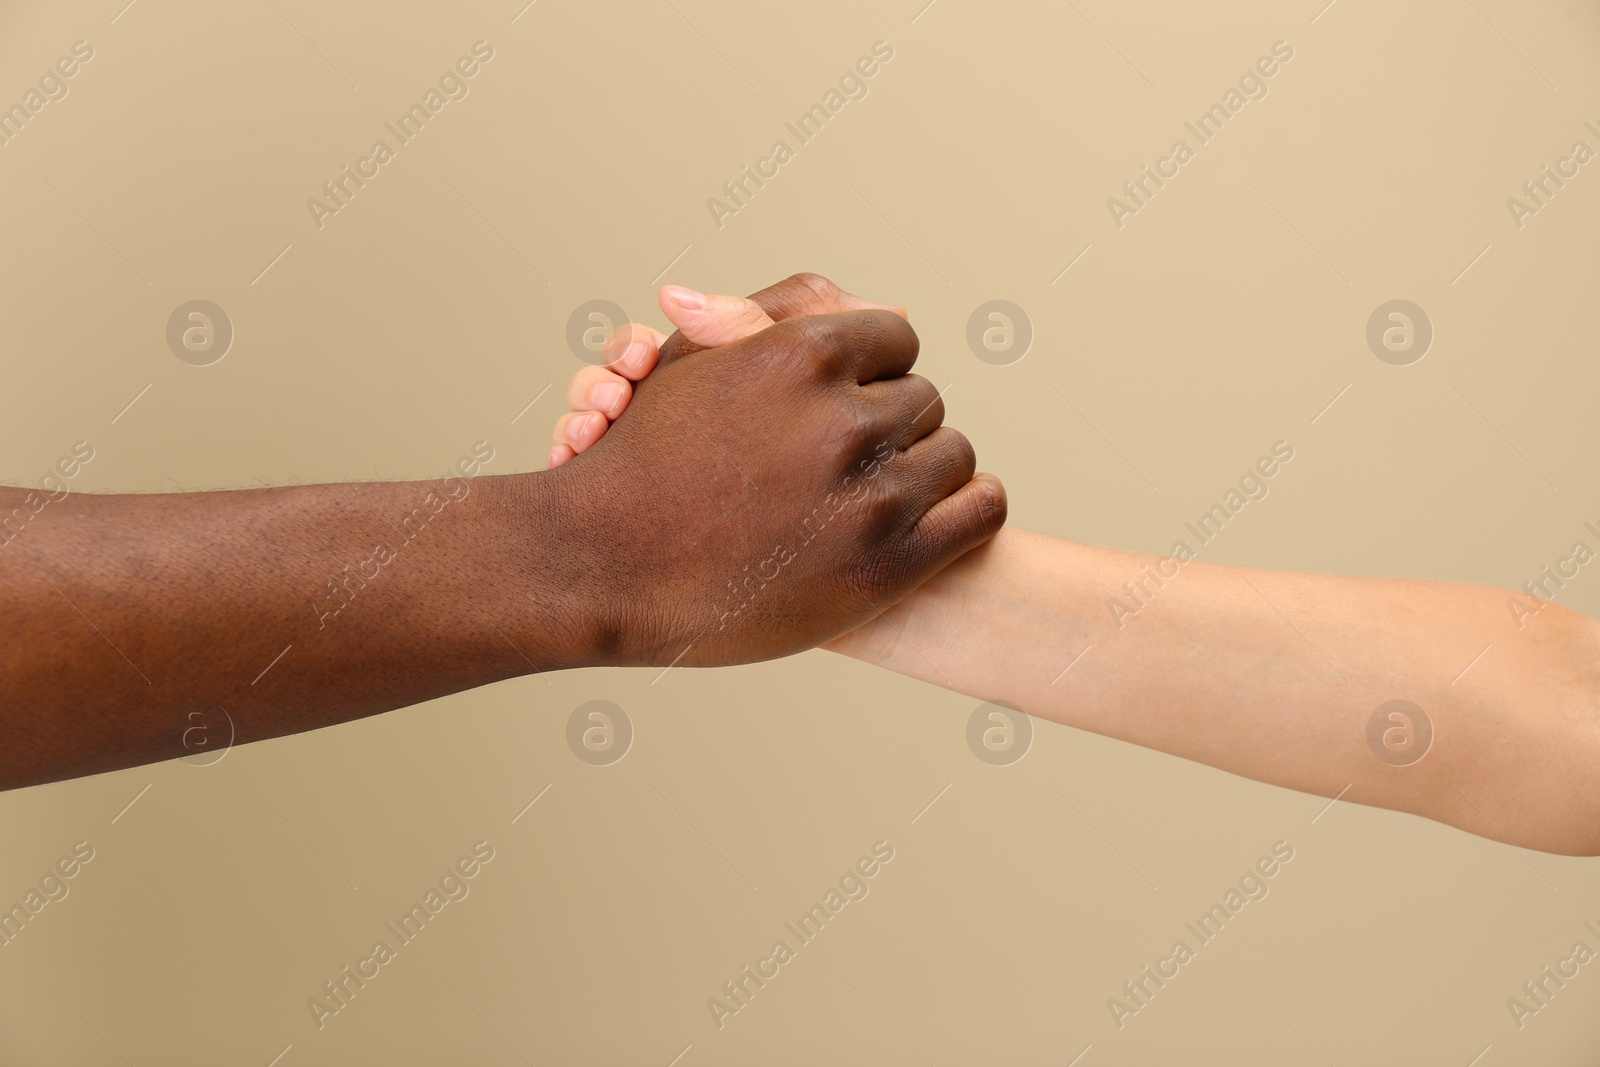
<point x="780" y="479"/>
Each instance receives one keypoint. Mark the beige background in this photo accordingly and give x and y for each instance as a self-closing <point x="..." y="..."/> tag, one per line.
<point x="427" y="314"/>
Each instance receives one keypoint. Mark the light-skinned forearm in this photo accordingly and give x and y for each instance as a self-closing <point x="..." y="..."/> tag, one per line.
<point x="1275" y="675"/>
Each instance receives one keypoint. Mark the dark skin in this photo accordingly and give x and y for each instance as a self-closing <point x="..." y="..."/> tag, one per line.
<point x="683" y="538"/>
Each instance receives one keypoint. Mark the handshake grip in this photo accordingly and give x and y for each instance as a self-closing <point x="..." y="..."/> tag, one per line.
<point x="767" y="496"/>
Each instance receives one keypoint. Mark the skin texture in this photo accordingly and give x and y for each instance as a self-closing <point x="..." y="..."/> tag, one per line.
<point x="838" y="490"/>
<point x="282" y="610"/>
<point x="1271" y="675"/>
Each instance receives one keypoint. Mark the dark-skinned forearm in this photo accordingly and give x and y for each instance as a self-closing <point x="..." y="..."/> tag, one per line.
<point x="288" y="609"/>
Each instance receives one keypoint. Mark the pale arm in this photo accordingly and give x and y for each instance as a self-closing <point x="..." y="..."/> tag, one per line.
<point x="1274" y="676"/>
<point x="1271" y="675"/>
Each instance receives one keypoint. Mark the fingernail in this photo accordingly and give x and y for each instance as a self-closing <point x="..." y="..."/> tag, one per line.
<point x="608" y="396"/>
<point x="633" y="354"/>
<point x="685" y="298"/>
<point x="616" y="345"/>
<point x="593" y="423"/>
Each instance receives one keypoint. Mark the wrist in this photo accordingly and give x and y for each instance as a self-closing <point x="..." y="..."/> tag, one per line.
<point x="974" y="627"/>
<point x="539" y="572"/>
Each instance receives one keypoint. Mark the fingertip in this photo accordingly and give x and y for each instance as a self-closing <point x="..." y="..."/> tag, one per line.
<point x="678" y="298"/>
<point x="585" y="429"/>
<point x="640" y="357"/>
<point x="684" y="308"/>
<point x="558" y="434"/>
<point x="599" y="389"/>
<point x="633" y="350"/>
<point x="712" y="320"/>
<point x="852" y="302"/>
<point x="611" y="398"/>
<point x="579" y="430"/>
<point x="608" y="395"/>
<point x="559" y="455"/>
<point x="987" y="499"/>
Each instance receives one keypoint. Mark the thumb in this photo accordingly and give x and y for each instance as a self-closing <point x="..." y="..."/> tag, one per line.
<point x="711" y="320"/>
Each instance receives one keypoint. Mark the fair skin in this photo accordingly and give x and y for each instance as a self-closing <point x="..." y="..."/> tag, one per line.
<point x="1271" y="675"/>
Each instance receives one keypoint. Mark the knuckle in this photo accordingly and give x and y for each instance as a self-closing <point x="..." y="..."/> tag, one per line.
<point x="750" y="315"/>
<point x="962" y="454"/>
<point x="900" y="332"/>
<point x="818" y="340"/>
<point x="949" y="453"/>
<point x="927" y="405"/>
<point x="803" y="329"/>
<point x="876" y="335"/>
<point x="813" y="289"/>
<point x="886" y="332"/>
<point x="848" y="427"/>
